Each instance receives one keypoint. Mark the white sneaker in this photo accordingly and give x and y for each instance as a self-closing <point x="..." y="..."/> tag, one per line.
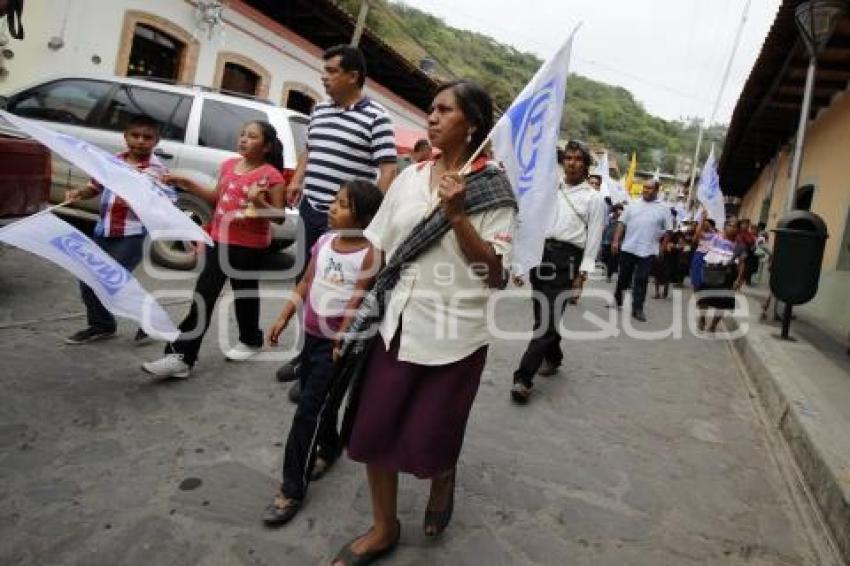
<point x="242" y="352"/>
<point x="172" y="365"/>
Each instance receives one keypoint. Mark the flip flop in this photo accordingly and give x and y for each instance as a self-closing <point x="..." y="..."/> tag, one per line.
<point x="348" y="557"/>
<point x="439" y="520"/>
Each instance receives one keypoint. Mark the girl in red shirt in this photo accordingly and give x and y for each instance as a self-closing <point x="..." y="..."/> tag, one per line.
<point x="249" y="195"/>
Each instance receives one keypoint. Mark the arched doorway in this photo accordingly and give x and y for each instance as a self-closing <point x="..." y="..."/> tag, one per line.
<point x="240" y="74"/>
<point x="300" y="102"/>
<point x="299" y="97"/>
<point x="154" y="54"/>
<point x="154" y="47"/>
<point x="237" y="78"/>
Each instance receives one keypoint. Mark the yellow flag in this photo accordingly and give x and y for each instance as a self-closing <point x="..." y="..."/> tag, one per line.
<point x="630" y="175"/>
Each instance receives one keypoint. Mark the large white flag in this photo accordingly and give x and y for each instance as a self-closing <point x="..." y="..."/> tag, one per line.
<point x="56" y="240"/>
<point x="143" y="193"/>
<point x="709" y="193"/>
<point x="524" y="140"/>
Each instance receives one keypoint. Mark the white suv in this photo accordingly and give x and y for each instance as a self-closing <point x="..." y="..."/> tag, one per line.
<point x="199" y="131"/>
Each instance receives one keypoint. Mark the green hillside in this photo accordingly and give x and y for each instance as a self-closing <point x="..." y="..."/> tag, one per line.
<point x="596" y="112"/>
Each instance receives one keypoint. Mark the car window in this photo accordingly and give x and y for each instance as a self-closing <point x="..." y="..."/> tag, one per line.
<point x="298" y="125"/>
<point x="221" y="123"/>
<point x="169" y="109"/>
<point x="68" y="102"/>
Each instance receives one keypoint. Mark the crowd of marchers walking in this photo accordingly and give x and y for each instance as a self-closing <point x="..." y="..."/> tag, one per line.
<point x="376" y="242"/>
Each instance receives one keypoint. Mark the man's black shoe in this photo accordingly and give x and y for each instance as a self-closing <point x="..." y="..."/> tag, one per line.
<point x="548" y="368"/>
<point x="288" y="371"/>
<point x="295" y="392"/>
<point x="638" y="315"/>
<point x="277" y="515"/>
<point x="90" y="334"/>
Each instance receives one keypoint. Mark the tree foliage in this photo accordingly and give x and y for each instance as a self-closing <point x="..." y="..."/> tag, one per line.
<point x="595" y="112"/>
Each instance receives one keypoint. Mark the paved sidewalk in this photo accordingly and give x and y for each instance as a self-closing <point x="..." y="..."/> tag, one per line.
<point x="804" y="387"/>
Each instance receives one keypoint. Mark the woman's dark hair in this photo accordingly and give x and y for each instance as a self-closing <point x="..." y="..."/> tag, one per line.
<point x="274" y="155"/>
<point x="477" y="107"/>
<point x="365" y="198"/>
<point x="13" y="18"/>
<point x="350" y="59"/>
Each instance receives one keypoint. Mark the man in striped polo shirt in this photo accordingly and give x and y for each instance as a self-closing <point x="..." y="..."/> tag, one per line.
<point x="349" y="137"/>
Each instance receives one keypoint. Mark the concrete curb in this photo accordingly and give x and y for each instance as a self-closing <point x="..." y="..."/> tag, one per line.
<point x="793" y="383"/>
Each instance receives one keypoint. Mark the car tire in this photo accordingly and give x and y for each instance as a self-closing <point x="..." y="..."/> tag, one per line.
<point x="177" y="254"/>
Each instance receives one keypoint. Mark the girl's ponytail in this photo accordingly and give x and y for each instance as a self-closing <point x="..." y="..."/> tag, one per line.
<point x="274" y="156"/>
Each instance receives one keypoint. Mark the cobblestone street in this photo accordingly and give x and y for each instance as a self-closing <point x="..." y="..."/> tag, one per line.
<point x="636" y="452"/>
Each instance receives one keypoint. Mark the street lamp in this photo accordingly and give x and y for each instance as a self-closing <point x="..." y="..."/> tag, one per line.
<point x="210" y="15"/>
<point x="816" y="21"/>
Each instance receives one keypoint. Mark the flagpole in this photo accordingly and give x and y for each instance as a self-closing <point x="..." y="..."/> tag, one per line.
<point x="725" y="80"/>
<point x="36" y="214"/>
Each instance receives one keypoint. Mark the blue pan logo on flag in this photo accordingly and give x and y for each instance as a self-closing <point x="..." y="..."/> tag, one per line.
<point x="111" y="276"/>
<point x="528" y="120"/>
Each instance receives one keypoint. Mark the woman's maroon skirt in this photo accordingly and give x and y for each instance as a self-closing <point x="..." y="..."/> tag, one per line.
<point x="412" y="418"/>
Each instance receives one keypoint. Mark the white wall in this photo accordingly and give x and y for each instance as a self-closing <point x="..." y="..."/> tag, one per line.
<point x="93" y="27"/>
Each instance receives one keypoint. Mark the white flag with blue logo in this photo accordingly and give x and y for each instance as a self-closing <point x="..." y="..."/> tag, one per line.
<point x="525" y="140"/>
<point x="709" y="193"/>
<point x="57" y="241"/>
<point x="148" y="199"/>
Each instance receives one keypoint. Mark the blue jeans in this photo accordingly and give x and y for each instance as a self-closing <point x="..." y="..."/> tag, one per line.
<point x="633" y="268"/>
<point x="127" y="251"/>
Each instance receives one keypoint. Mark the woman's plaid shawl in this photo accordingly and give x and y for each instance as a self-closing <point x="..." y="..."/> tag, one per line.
<point x="487" y="189"/>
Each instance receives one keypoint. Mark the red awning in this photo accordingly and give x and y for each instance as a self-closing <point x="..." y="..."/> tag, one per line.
<point x="405" y="139"/>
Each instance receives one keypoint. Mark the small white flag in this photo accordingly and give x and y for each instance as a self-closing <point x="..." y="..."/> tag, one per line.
<point x="143" y="194"/>
<point x="524" y="140"/>
<point x="709" y="193"/>
<point x="610" y="187"/>
<point x="57" y="241"/>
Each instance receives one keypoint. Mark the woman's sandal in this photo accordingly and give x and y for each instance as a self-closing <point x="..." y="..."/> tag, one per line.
<point x="348" y="557"/>
<point x="435" y="522"/>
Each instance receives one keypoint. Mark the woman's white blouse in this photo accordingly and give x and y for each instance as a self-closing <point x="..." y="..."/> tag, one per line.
<point x="440" y="304"/>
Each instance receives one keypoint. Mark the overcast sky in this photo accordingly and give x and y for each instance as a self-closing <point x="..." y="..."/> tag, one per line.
<point x="671" y="54"/>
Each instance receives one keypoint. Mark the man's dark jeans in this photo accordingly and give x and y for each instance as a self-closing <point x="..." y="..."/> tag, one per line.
<point x="309" y="435"/>
<point x="610" y="260"/>
<point x="551" y="280"/>
<point x="633" y="269"/>
<point x="127" y="251"/>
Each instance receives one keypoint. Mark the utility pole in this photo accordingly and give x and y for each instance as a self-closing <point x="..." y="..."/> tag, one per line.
<point x="692" y="189"/>
<point x="361" y="22"/>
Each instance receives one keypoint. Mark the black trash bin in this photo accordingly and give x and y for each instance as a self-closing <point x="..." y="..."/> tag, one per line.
<point x="800" y="238"/>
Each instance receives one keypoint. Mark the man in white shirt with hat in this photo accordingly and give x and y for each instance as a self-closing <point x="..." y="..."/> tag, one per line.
<point x="572" y="243"/>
